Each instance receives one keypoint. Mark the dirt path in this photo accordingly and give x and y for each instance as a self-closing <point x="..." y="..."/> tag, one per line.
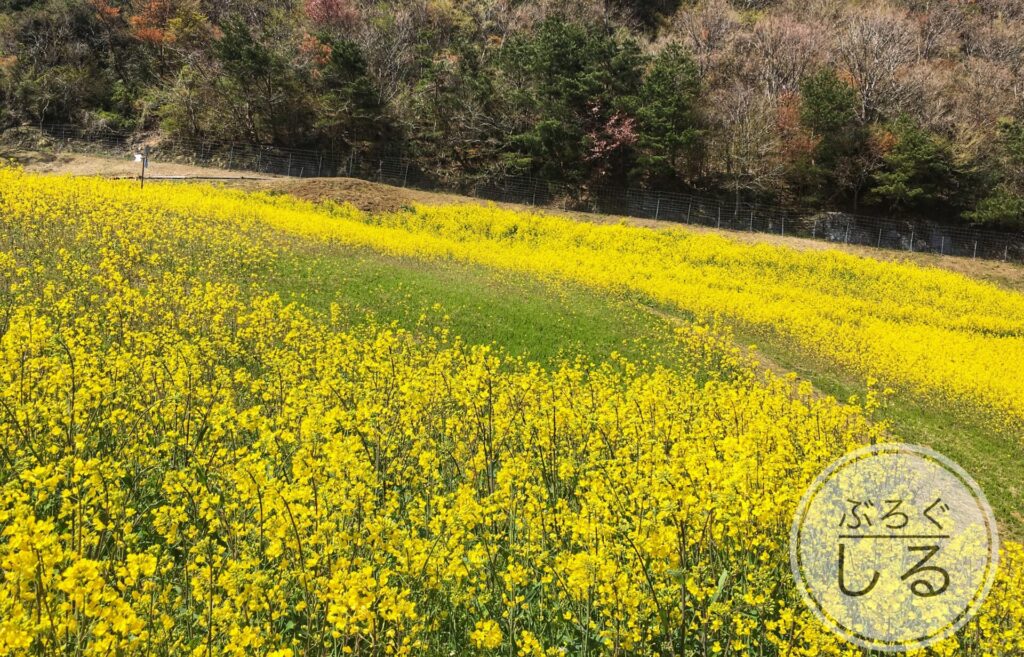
<point x="79" y="164"/>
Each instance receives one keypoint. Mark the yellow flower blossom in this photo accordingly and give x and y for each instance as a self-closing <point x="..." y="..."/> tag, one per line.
<point x="190" y="466"/>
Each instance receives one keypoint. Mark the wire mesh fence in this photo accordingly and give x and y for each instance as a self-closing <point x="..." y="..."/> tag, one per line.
<point x="838" y="227"/>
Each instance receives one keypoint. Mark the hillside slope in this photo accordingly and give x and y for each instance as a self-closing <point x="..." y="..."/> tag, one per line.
<point x="898" y="106"/>
<point x="208" y="448"/>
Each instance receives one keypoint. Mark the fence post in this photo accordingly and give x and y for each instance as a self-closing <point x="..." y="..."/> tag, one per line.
<point x="911" y="240"/>
<point x="657" y="209"/>
<point x="814" y="229"/>
<point x="689" y="206"/>
<point x="975" y="256"/>
<point x="783" y="225"/>
<point x="231" y="157"/>
<point x="879" y="237"/>
<point x="145" y="163"/>
<point x="751" y="220"/>
<point x="847" y="238"/>
<point x="405" y="178"/>
<point x="289" y="165"/>
<point x="320" y="166"/>
<point x="719" y="215"/>
<point x="942" y="246"/>
<point x="259" y="159"/>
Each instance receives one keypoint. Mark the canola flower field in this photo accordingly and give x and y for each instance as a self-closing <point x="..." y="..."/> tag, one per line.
<point x="190" y="466"/>
<point x="935" y="334"/>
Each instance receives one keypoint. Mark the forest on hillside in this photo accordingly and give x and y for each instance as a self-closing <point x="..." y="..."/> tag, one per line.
<point x="910" y="107"/>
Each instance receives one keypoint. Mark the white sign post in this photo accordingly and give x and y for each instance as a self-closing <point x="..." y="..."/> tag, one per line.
<point x="143" y="159"/>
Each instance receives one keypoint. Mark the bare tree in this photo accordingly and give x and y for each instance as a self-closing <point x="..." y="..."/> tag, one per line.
<point x="753" y="5"/>
<point x="940" y="24"/>
<point x="983" y="92"/>
<point x="876" y="45"/>
<point x="709" y="30"/>
<point x="1011" y="10"/>
<point x="746" y="142"/>
<point x="934" y="104"/>
<point x="389" y="36"/>
<point x="781" y="50"/>
<point x="821" y="15"/>
<point x="999" y="40"/>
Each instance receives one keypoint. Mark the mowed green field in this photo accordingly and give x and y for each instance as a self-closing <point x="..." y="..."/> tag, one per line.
<point x="547" y="320"/>
<point x="539" y="320"/>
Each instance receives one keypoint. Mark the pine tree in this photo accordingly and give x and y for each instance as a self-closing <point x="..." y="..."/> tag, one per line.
<point x="917" y="172"/>
<point x="669" y="122"/>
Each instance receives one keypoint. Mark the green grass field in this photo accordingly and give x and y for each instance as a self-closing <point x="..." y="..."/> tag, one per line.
<point x="542" y="321"/>
<point x="547" y="320"/>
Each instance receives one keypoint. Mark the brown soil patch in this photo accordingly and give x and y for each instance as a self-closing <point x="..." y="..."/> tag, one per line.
<point x="365" y="195"/>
